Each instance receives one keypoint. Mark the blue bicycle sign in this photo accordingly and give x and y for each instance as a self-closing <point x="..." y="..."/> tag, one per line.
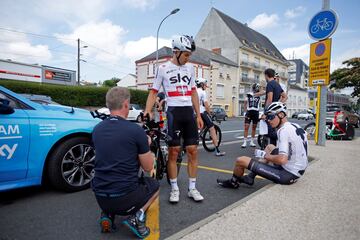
<point x="323" y="25"/>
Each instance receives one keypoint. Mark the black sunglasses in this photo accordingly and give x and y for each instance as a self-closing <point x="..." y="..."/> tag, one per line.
<point x="270" y="117"/>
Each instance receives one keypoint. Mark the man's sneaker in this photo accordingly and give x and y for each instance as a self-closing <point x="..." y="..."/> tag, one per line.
<point x="174" y="196"/>
<point x="244" y="145"/>
<point x="195" y="194"/>
<point x="228" y="183"/>
<point x="219" y="154"/>
<point x="252" y="144"/>
<point x="137" y="227"/>
<point x="107" y="223"/>
<point x="247" y="180"/>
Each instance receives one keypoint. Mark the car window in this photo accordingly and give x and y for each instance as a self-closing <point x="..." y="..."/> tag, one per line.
<point x="14" y="104"/>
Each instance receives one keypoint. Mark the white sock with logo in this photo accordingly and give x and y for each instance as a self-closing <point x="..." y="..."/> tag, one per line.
<point x="174" y="184"/>
<point x="192" y="183"/>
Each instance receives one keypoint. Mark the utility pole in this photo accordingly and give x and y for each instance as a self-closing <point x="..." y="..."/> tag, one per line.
<point x="78" y="62"/>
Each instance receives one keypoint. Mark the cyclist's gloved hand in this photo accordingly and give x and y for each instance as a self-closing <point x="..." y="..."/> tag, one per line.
<point x="259" y="153"/>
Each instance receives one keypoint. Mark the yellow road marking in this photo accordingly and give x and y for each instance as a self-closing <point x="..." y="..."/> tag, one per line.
<point x="152" y="220"/>
<point x="217" y="170"/>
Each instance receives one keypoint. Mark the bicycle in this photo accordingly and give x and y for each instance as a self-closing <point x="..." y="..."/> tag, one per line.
<point x="205" y="137"/>
<point x="334" y="130"/>
<point x="322" y="24"/>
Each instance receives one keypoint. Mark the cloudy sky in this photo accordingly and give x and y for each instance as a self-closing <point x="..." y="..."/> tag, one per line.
<point x="118" y="32"/>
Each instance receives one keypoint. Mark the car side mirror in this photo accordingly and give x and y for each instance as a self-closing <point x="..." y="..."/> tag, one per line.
<point x="5" y="107"/>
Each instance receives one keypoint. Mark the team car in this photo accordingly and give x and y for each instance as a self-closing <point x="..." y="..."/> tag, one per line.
<point x="44" y="143"/>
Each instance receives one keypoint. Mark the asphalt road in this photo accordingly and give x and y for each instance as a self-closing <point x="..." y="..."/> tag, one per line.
<point x="42" y="213"/>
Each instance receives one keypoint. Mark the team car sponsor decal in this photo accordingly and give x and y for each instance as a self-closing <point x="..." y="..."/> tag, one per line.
<point x="8" y="132"/>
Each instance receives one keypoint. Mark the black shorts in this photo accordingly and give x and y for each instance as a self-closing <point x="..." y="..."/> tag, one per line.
<point x="207" y="119"/>
<point x="130" y="203"/>
<point x="181" y="123"/>
<point x="275" y="173"/>
<point x="252" y="116"/>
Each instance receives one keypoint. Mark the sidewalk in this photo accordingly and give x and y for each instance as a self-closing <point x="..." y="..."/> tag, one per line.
<point x="324" y="204"/>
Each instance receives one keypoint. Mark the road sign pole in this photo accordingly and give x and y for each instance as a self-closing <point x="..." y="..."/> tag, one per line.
<point x="322" y="97"/>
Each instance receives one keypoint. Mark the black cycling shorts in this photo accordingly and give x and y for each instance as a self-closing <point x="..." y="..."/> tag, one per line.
<point x="181" y="123"/>
<point x="207" y="119"/>
<point x="275" y="173"/>
<point x="252" y="116"/>
<point x="130" y="203"/>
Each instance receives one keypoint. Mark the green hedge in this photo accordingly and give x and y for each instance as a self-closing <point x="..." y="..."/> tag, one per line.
<point x="78" y="96"/>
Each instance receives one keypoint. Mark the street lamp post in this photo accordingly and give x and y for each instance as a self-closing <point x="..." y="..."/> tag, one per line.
<point x="157" y="33"/>
<point x="78" y="60"/>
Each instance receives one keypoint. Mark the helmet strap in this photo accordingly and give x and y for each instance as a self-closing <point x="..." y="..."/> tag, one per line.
<point x="280" y="118"/>
<point x="178" y="58"/>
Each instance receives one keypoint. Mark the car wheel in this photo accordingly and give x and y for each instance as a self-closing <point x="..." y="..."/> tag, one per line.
<point x="71" y="165"/>
<point x="225" y="118"/>
<point x="138" y="119"/>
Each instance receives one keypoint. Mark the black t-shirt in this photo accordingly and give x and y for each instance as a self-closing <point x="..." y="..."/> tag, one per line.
<point x="117" y="144"/>
<point x="274" y="87"/>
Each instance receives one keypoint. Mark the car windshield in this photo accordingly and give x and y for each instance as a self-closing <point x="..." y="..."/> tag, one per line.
<point x="136" y="106"/>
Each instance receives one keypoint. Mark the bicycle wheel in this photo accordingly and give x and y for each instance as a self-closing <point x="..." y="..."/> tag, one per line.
<point x="178" y="165"/>
<point x="207" y="140"/>
<point x="310" y="130"/>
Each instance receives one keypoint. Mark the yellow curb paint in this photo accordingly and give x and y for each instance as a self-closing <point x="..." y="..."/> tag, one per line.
<point x="217" y="170"/>
<point x="152" y="220"/>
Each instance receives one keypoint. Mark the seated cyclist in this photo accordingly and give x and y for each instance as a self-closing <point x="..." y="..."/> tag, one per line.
<point x="122" y="147"/>
<point x="201" y="84"/>
<point x="282" y="165"/>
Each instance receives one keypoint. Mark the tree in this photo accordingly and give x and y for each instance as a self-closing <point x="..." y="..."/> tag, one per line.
<point x="111" y="83"/>
<point x="348" y="76"/>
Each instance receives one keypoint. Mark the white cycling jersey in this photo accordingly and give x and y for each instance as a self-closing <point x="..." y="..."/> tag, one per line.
<point x="292" y="141"/>
<point x="202" y="99"/>
<point x="178" y="83"/>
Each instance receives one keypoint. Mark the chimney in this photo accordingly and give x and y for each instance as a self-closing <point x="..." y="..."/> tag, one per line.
<point x="216" y="50"/>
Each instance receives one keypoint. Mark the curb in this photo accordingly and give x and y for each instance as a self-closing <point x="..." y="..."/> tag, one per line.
<point x="227" y="209"/>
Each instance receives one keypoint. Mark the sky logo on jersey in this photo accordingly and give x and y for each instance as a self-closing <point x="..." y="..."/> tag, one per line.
<point x="179" y="79"/>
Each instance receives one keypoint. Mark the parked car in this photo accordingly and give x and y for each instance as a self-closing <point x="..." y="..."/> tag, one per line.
<point x="295" y="115"/>
<point x="218" y="114"/>
<point x="346" y="114"/>
<point x="305" y="115"/>
<point x="134" y="113"/>
<point x="44" y="143"/>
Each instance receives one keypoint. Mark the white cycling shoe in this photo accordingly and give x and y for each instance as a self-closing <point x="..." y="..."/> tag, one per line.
<point x="244" y="145"/>
<point x="195" y="194"/>
<point x="174" y="196"/>
<point x="252" y="144"/>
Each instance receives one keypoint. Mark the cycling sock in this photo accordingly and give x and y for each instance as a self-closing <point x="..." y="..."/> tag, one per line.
<point x="217" y="149"/>
<point x="192" y="183"/>
<point x="174" y="184"/>
<point x="140" y="215"/>
<point x="234" y="179"/>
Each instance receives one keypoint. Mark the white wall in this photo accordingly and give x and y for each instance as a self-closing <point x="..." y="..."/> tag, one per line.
<point x="22" y="72"/>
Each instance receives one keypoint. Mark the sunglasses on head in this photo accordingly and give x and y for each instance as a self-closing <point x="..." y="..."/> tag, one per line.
<point x="270" y="117"/>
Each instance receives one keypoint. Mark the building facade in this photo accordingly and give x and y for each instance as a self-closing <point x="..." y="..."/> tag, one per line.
<point x="12" y="70"/>
<point x="298" y="99"/>
<point x="220" y="72"/>
<point x="250" y="50"/>
<point x="298" y="73"/>
<point x="129" y="81"/>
